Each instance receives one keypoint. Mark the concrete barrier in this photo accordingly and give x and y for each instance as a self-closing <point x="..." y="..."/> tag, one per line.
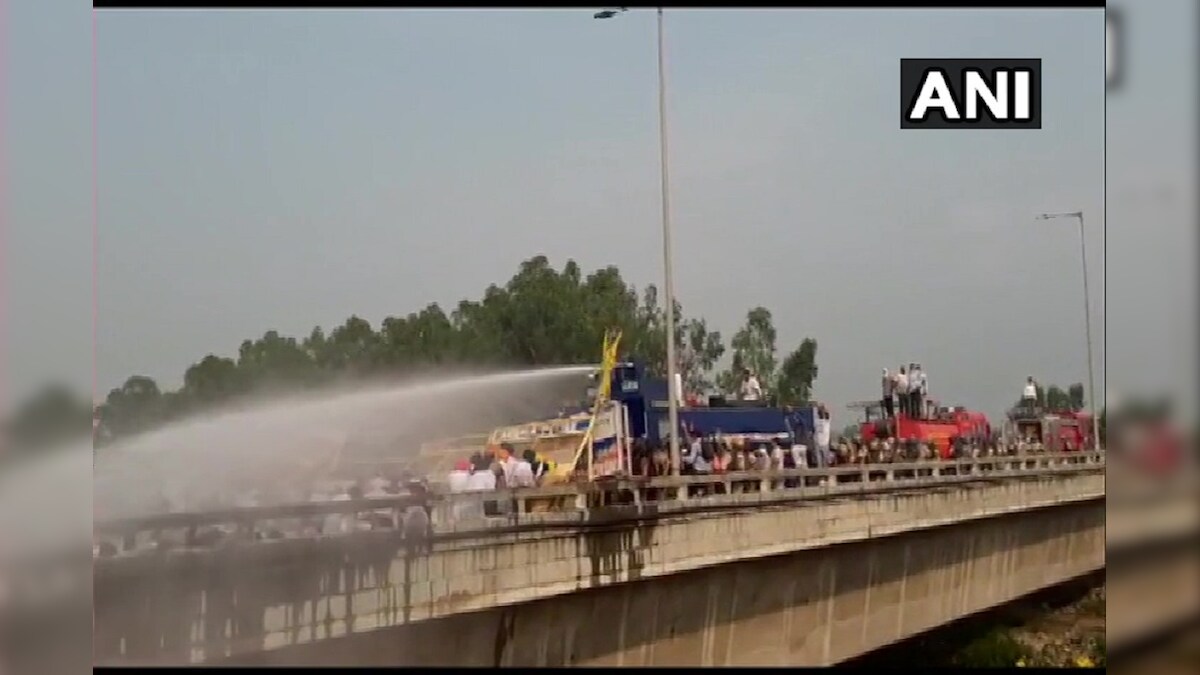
<point x="619" y="498"/>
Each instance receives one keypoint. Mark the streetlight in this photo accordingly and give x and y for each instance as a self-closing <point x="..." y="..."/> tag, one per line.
<point x="668" y="282"/>
<point x="1087" y="317"/>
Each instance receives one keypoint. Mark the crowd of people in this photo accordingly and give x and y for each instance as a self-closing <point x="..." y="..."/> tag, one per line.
<point x="496" y="468"/>
<point x="715" y="454"/>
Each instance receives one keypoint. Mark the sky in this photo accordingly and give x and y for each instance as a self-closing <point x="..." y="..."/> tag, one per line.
<point x="262" y="170"/>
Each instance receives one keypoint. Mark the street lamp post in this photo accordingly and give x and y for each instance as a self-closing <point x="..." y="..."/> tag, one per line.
<point x="668" y="280"/>
<point x="1087" y="317"/>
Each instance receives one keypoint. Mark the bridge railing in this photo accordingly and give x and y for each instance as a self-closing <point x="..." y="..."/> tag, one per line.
<point x="577" y="502"/>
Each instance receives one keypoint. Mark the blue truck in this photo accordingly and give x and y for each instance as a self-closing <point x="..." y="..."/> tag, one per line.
<point x="645" y="399"/>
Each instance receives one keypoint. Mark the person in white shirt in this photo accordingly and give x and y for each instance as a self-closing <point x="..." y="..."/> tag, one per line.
<point x="459" y="478"/>
<point x="822" y="433"/>
<point x="483" y="479"/>
<point x="916" y="393"/>
<point x="457" y="483"/>
<point x="416" y="521"/>
<point x="902" y="391"/>
<point x="777" y="456"/>
<point x="924" y="385"/>
<point x="800" y="455"/>
<point x="1029" y="396"/>
<point x="508" y="461"/>
<point x="522" y="475"/>
<point x="751" y="389"/>
<point x="377" y="486"/>
<point x="507" y="466"/>
<point x="700" y="463"/>
<point x="889" y="394"/>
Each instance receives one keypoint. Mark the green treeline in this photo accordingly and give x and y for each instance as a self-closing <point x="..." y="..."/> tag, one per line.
<point x="541" y="316"/>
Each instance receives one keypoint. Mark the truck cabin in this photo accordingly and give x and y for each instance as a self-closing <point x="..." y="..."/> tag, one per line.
<point x="1055" y="433"/>
<point x="1029" y="430"/>
<point x="875" y="423"/>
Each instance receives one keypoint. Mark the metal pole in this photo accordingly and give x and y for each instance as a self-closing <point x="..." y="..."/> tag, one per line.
<point x="1087" y="318"/>
<point x="668" y="283"/>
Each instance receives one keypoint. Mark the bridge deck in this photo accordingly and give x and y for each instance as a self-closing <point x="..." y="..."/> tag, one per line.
<point x="617" y="499"/>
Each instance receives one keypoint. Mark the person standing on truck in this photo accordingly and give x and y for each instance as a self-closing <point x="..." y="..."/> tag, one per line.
<point x="1030" y="393"/>
<point x="889" y="394"/>
<point x="902" y="391"/>
<point x="822" y="433"/>
<point x="916" y="384"/>
<point x="751" y="389"/>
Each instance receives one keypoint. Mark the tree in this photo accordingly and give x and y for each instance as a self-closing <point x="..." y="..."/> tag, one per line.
<point x="213" y="380"/>
<point x="699" y="353"/>
<point x="349" y="349"/>
<point x="646" y="339"/>
<point x="753" y="348"/>
<point x="797" y="374"/>
<point x="729" y="381"/>
<point x="1056" y="399"/>
<point x="608" y="302"/>
<point x="316" y="351"/>
<point x="541" y="316"/>
<point x="275" y="360"/>
<point x="131" y="408"/>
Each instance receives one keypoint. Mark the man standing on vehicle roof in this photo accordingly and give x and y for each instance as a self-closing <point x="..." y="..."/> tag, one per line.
<point x="916" y="385"/>
<point x="889" y="394"/>
<point x="822" y="433"/>
<point x="902" y="391"/>
<point x="751" y="389"/>
<point x="1030" y="395"/>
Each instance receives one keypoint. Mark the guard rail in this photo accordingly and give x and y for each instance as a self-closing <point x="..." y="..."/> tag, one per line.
<point x="601" y="501"/>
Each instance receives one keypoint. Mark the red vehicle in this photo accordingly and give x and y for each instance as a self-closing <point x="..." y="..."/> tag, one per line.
<point x="1062" y="431"/>
<point x="939" y="428"/>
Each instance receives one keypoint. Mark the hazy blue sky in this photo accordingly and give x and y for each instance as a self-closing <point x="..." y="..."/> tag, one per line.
<point x="279" y="170"/>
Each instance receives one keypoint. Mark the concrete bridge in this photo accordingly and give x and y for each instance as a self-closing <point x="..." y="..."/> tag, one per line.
<point x="761" y="575"/>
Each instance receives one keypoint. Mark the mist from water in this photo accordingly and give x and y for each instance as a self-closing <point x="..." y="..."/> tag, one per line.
<point x="46" y="503"/>
<point x="277" y="449"/>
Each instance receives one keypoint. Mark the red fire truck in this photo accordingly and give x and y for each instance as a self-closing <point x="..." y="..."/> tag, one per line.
<point x="1057" y="431"/>
<point x="939" y="427"/>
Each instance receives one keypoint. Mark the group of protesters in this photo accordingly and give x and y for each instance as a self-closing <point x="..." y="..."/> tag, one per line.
<point x="905" y="391"/>
<point x="728" y="454"/>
